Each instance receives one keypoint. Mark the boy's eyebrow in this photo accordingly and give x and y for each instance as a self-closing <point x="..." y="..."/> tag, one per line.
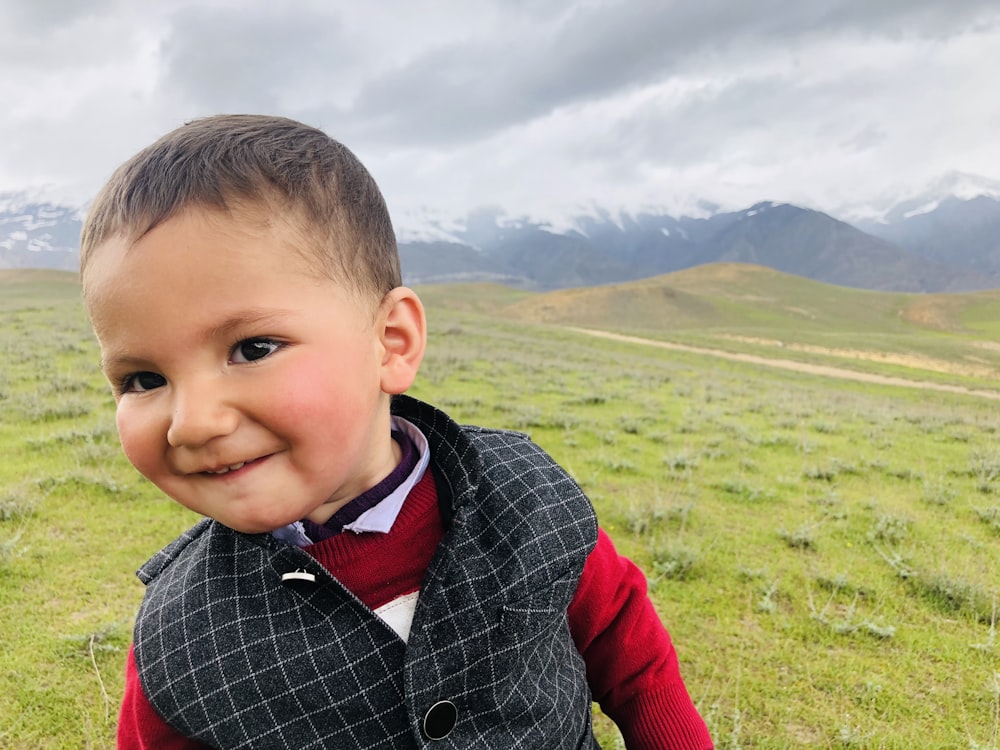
<point x="113" y="361"/>
<point x="245" y="318"/>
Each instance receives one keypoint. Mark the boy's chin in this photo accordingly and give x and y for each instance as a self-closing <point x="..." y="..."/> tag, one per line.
<point x="248" y="527"/>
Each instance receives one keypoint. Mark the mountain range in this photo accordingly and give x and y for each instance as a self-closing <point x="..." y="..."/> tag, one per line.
<point x="946" y="239"/>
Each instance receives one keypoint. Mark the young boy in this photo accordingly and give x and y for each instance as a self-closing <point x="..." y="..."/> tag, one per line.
<point x="369" y="573"/>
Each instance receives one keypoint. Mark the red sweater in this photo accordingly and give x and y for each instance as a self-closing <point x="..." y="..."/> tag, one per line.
<point x="631" y="663"/>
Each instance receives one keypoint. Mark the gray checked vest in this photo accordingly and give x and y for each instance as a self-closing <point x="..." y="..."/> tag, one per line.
<point x="230" y="655"/>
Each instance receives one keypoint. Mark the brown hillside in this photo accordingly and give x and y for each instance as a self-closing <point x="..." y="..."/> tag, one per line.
<point x="644" y="304"/>
<point x="939" y="312"/>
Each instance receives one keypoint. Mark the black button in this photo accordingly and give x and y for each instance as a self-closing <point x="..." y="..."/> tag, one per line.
<point x="440" y="720"/>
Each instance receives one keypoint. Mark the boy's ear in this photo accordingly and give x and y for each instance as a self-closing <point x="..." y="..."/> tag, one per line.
<point x="403" y="333"/>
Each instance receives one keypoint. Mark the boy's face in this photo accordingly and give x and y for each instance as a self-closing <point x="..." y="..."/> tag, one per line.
<point x="249" y="389"/>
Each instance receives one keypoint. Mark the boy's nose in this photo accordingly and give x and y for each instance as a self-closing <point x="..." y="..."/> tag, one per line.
<point x="200" y="414"/>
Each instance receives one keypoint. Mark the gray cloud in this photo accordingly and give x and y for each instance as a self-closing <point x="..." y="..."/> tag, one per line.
<point x="46" y="16"/>
<point x="40" y="37"/>
<point x="470" y="89"/>
<point x="218" y="60"/>
<point x="622" y="102"/>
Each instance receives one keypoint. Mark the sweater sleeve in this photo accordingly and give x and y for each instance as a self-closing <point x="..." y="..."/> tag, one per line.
<point x="139" y="726"/>
<point x="631" y="663"/>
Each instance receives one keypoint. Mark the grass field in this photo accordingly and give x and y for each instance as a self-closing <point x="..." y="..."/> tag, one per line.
<point x="825" y="553"/>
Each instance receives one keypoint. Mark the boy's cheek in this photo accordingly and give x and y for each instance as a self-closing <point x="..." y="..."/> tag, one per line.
<point x="134" y="441"/>
<point x="313" y="387"/>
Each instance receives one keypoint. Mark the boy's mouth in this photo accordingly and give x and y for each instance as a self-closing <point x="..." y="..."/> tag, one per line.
<point x="222" y="470"/>
<point x="227" y="469"/>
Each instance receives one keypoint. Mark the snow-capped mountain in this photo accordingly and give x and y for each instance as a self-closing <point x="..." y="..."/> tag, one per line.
<point x="956" y="220"/>
<point x="946" y="238"/>
<point x="959" y="186"/>
<point x="781" y="236"/>
<point x="37" y="234"/>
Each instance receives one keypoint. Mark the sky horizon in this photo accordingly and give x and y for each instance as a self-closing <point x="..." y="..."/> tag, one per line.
<point x="544" y="110"/>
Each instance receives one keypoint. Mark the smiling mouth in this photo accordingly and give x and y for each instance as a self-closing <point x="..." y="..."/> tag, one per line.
<point x="227" y="469"/>
<point x="231" y="468"/>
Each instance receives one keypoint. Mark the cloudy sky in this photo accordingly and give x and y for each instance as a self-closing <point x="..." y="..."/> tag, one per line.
<point x="544" y="108"/>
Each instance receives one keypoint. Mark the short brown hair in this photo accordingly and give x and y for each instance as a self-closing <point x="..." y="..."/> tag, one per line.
<point x="226" y="161"/>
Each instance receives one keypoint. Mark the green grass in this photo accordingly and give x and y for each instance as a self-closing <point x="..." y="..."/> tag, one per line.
<point x="824" y="553"/>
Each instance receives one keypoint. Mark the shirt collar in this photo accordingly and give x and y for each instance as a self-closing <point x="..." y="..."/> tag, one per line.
<point x="380" y="518"/>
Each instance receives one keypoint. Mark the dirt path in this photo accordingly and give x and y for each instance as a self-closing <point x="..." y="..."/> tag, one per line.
<point x="788" y="364"/>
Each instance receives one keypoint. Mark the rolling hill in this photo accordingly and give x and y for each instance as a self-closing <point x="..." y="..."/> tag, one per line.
<point x="743" y="307"/>
<point x="725" y="295"/>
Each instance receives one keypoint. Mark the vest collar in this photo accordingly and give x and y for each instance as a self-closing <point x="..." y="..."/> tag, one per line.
<point x="455" y="461"/>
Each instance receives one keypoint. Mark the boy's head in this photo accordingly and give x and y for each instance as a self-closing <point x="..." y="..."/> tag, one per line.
<point x="278" y="168"/>
<point x="251" y="346"/>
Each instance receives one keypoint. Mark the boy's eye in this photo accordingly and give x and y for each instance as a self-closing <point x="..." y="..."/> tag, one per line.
<point x="142" y="381"/>
<point x="251" y="350"/>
